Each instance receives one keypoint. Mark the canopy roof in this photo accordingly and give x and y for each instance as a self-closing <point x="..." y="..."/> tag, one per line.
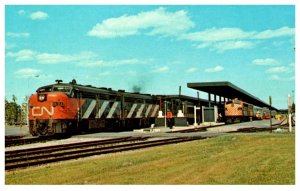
<point x="228" y="90"/>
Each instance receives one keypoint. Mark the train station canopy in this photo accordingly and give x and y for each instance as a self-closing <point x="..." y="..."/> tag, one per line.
<point x="227" y="90"/>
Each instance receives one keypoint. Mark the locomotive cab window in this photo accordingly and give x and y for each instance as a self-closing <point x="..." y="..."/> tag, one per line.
<point x="74" y="93"/>
<point x="237" y="102"/>
<point x="44" y="89"/>
<point x="65" y="89"/>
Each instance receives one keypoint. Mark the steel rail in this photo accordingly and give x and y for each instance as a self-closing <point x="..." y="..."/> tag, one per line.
<point x="53" y="148"/>
<point x="14" y="141"/>
<point x="21" y="141"/>
<point x="73" y="154"/>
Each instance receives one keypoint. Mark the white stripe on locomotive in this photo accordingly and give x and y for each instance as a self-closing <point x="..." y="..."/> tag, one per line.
<point x="155" y="111"/>
<point x="112" y="110"/>
<point x="148" y="110"/>
<point x="139" y="112"/>
<point x="102" y="109"/>
<point x="89" y="109"/>
<point x="131" y="110"/>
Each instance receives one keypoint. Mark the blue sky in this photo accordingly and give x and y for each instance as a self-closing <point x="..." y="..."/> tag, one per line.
<point x="156" y="47"/>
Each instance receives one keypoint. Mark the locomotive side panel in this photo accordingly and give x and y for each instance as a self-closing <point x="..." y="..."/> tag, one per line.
<point x="118" y="113"/>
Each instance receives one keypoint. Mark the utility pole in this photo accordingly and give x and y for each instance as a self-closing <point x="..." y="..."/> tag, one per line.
<point x="270" y="102"/>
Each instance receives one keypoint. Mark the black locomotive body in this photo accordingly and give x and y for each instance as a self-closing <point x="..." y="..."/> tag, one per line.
<point x="70" y="107"/>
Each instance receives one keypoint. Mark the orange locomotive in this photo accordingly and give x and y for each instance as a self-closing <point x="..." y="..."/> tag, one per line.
<point x="237" y="111"/>
<point x="69" y="107"/>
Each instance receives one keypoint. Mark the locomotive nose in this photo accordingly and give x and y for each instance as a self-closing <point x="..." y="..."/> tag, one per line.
<point x="48" y="113"/>
<point x="47" y="105"/>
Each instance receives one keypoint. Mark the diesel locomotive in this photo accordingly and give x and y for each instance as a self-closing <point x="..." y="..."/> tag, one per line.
<point x="237" y="111"/>
<point x="70" y="107"/>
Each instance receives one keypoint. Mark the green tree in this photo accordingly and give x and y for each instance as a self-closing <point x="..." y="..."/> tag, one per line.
<point x="12" y="110"/>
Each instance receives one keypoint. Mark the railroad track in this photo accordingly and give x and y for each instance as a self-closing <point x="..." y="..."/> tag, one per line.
<point x="252" y="129"/>
<point x="43" y="155"/>
<point x="18" y="140"/>
<point x="12" y="137"/>
<point x="190" y="130"/>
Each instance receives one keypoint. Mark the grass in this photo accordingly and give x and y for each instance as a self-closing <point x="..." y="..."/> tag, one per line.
<point x="232" y="159"/>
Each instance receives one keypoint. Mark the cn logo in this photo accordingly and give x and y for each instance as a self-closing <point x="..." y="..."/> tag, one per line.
<point x="39" y="111"/>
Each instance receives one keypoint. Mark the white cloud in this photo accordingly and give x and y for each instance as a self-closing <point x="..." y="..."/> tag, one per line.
<point x="218" y="34"/>
<point x="104" y="74"/>
<point x="292" y="64"/>
<point x="22" y="55"/>
<point x="132" y="73"/>
<point x="191" y="70"/>
<point x="278" y="43"/>
<point x="96" y="63"/>
<point x="27" y="73"/>
<point x="284" y="31"/>
<point x="86" y="59"/>
<point x="230" y="45"/>
<point x="265" y="62"/>
<point x="157" y="22"/>
<point x="46" y="58"/>
<point x="21" y="12"/>
<point x="160" y="69"/>
<point x="225" y="34"/>
<point x="223" y="39"/>
<point x="10" y="45"/>
<point x="39" y="15"/>
<point x="49" y="58"/>
<point x="127" y="62"/>
<point x="214" y="69"/>
<point x="17" y="35"/>
<point x="178" y="25"/>
<point x="280" y="69"/>
<point x="275" y="77"/>
<point x="276" y="70"/>
<point x="204" y="45"/>
<point x="110" y="63"/>
<point x="279" y="78"/>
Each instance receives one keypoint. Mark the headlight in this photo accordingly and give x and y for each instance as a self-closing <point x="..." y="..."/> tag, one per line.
<point x="42" y="97"/>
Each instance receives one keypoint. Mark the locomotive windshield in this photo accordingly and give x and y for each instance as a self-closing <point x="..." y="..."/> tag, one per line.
<point x="44" y="89"/>
<point x="237" y="102"/>
<point x="64" y="89"/>
<point x="233" y="102"/>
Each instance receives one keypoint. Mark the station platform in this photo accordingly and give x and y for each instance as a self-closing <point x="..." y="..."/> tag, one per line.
<point x="163" y="129"/>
